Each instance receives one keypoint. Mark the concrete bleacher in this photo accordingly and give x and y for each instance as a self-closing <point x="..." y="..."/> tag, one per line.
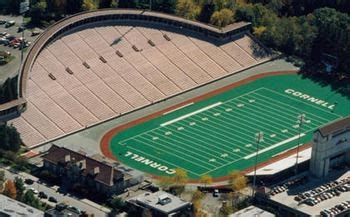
<point x="79" y="80"/>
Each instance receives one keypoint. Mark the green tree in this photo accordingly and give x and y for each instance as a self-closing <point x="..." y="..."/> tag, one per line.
<point x="9" y="138"/>
<point x="19" y="187"/>
<point x="126" y="4"/>
<point x="74" y="6"/>
<point x="2" y="179"/>
<point x="104" y="3"/>
<point x="117" y="204"/>
<point x="206" y="11"/>
<point x="222" y="18"/>
<point x="37" y="12"/>
<point x="30" y="199"/>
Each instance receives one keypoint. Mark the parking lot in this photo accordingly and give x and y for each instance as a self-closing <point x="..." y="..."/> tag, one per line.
<point x="11" y="69"/>
<point x="325" y="197"/>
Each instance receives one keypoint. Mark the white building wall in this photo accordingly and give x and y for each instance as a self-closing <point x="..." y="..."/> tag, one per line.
<point x="326" y="147"/>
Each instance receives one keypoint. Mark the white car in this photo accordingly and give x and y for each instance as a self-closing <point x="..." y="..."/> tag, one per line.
<point x="34" y="191"/>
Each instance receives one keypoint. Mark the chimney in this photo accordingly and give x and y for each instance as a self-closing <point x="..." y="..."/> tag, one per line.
<point x="67" y="158"/>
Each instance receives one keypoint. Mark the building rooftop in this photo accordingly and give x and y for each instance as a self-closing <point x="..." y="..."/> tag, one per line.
<point x="252" y="211"/>
<point x="283" y="163"/>
<point x="287" y="197"/>
<point x="335" y="126"/>
<point x="102" y="171"/>
<point x="11" y="207"/>
<point x="160" y="201"/>
<point x="62" y="210"/>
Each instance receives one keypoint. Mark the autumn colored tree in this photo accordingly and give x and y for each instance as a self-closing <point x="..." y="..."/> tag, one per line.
<point x="222" y="18"/>
<point x="180" y="177"/>
<point x="197" y="197"/>
<point x="237" y="181"/>
<point x="206" y="180"/>
<point x="89" y="5"/>
<point x="187" y="9"/>
<point x="10" y="189"/>
<point x="165" y="181"/>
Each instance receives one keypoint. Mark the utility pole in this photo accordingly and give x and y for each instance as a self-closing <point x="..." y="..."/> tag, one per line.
<point x="301" y="120"/>
<point x="259" y="138"/>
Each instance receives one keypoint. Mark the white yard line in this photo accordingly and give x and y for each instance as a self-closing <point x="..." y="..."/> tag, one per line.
<point x="274" y="146"/>
<point x="296" y="112"/>
<point x="190" y="114"/>
<point x="161" y="160"/>
<point x="274" y="114"/>
<point x="339" y="116"/>
<point x="181" y="107"/>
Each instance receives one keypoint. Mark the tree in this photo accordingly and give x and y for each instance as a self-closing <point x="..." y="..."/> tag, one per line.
<point x="10" y="189"/>
<point x="206" y="180"/>
<point x="2" y="179"/>
<point x="37" y="12"/>
<point x="89" y="5"/>
<point x="117" y="204"/>
<point x="74" y="6"/>
<point x="197" y="196"/>
<point x="180" y="177"/>
<point x="187" y="9"/>
<point x="9" y="138"/>
<point x="105" y="4"/>
<point x="237" y="181"/>
<point x="30" y="199"/>
<point x="19" y="187"/>
<point x="222" y="18"/>
<point x="206" y="12"/>
<point x="126" y="4"/>
<point x="165" y="182"/>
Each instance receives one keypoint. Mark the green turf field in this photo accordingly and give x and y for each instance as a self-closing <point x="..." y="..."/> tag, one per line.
<point x="217" y="135"/>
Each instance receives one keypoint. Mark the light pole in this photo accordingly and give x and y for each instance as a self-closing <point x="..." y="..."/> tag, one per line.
<point x="259" y="138"/>
<point x="301" y="120"/>
<point x="23" y="8"/>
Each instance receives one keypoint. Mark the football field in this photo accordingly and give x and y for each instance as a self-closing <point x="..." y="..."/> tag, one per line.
<point x="217" y="135"/>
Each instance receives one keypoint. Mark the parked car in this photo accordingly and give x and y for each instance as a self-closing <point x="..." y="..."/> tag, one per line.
<point x="42" y="195"/>
<point x="216" y="193"/>
<point x="36" y="32"/>
<point x="34" y="191"/>
<point x="2" y="22"/>
<point x="28" y="181"/>
<point x="21" y="28"/>
<point x="10" y="23"/>
<point x="75" y="209"/>
<point x="4" y="41"/>
<point x="52" y="199"/>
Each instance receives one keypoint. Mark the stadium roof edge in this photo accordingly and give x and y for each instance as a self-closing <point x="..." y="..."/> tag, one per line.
<point x="83" y="17"/>
<point x="334" y="126"/>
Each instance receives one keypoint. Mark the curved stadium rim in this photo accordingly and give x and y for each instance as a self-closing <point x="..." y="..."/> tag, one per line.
<point x="82" y="18"/>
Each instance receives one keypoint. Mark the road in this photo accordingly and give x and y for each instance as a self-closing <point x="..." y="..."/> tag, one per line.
<point x="97" y="210"/>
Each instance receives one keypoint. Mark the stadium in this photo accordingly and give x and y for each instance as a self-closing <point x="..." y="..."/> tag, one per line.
<point x="94" y="67"/>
